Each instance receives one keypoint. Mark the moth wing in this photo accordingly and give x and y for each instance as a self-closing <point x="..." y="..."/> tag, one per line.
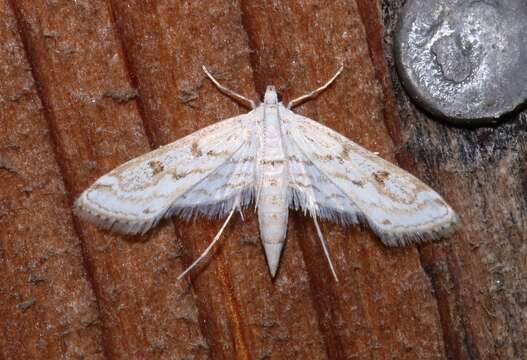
<point x="191" y="175"/>
<point x="398" y="207"/>
<point x="314" y="193"/>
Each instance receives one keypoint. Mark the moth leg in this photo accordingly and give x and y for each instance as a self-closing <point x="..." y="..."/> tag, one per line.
<point x="314" y="93"/>
<point x="324" y="246"/>
<point x="228" y="91"/>
<point x="211" y="245"/>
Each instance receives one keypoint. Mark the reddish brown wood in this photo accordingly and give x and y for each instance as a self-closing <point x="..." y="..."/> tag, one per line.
<point x="89" y="84"/>
<point x="47" y="305"/>
<point x="77" y="60"/>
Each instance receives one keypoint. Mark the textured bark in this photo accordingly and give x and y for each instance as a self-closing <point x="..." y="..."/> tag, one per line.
<point x="88" y="85"/>
<point x="480" y="275"/>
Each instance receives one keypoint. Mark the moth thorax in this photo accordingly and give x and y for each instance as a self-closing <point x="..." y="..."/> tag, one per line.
<point x="270" y="96"/>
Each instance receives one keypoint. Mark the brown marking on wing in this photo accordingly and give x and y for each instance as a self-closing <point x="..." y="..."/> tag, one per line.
<point x="100" y="186"/>
<point x="215" y="153"/>
<point x="272" y="182"/>
<point x="294" y="158"/>
<point x="358" y="183"/>
<point x="176" y="175"/>
<point x="195" y="150"/>
<point x="235" y="185"/>
<point x="405" y="193"/>
<point x="339" y="175"/>
<point x="246" y="159"/>
<point x="328" y="157"/>
<point x="380" y="176"/>
<point x="242" y="175"/>
<point x="156" y="166"/>
<point x="345" y="153"/>
<point x="272" y="162"/>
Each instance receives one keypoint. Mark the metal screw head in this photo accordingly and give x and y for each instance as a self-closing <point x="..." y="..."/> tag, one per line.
<point x="465" y="61"/>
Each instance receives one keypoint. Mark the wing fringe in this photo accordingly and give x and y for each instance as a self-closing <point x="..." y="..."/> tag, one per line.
<point x="299" y="201"/>
<point x="435" y="232"/>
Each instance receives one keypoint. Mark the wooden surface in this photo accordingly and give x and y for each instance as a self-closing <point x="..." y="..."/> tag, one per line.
<point x="86" y="85"/>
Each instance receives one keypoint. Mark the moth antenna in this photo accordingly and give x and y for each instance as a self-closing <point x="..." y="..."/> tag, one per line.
<point x="315" y="92"/>
<point x="211" y="245"/>
<point x="324" y="246"/>
<point x="228" y="91"/>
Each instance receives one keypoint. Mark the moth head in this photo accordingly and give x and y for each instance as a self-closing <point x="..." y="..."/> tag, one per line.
<point x="271" y="97"/>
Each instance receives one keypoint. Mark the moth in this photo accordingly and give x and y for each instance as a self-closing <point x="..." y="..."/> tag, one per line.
<point x="275" y="160"/>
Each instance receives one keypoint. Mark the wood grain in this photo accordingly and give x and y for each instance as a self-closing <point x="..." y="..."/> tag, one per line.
<point x="88" y="85"/>
<point x="47" y="304"/>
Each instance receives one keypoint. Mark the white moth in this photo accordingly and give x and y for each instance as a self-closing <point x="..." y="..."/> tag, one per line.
<point x="281" y="161"/>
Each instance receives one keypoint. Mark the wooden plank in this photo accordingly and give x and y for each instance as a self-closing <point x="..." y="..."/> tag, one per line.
<point x="118" y="78"/>
<point x="47" y="304"/>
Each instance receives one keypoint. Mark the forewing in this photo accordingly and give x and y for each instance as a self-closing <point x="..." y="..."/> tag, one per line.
<point x="188" y="175"/>
<point x="214" y="195"/>
<point x="398" y="207"/>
